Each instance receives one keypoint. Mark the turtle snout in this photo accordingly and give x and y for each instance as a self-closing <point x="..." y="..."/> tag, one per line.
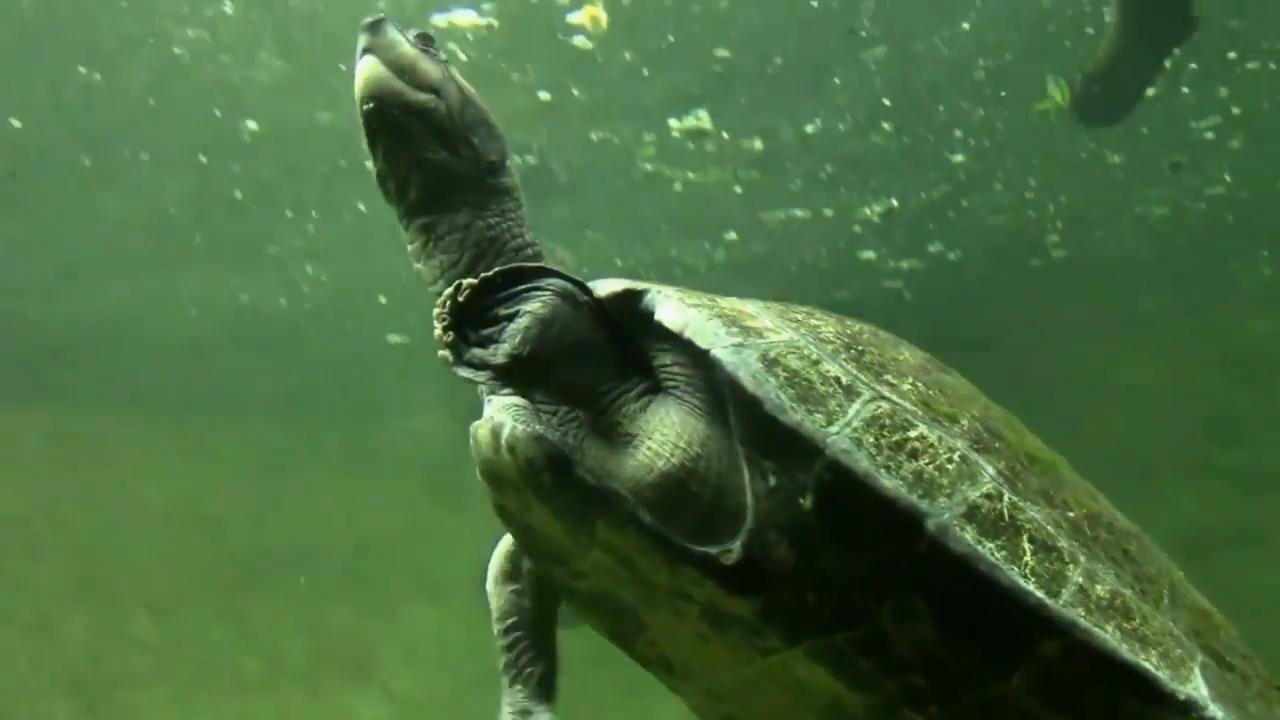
<point x="373" y="25"/>
<point x="372" y="29"/>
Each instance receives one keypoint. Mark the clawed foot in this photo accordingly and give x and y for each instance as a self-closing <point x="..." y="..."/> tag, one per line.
<point x="513" y="318"/>
<point x="470" y="323"/>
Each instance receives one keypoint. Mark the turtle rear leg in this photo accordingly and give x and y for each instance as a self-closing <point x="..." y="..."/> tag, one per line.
<point x="523" y="606"/>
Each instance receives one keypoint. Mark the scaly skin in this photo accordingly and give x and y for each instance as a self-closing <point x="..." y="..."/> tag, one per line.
<point x="439" y="159"/>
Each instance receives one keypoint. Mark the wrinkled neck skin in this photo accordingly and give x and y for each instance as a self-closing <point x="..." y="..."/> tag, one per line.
<point x="460" y="227"/>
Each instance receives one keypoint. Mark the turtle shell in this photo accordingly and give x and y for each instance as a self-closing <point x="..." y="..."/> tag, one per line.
<point x="973" y="482"/>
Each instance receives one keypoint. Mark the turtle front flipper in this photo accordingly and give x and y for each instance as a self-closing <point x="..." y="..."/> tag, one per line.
<point x="523" y="605"/>
<point x="629" y="405"/>
<point x="524" y="324"/>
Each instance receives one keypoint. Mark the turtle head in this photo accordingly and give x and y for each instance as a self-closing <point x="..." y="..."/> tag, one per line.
<point x="439" y="157"/>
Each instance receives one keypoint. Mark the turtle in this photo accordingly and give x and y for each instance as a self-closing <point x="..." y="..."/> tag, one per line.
<point x="775" y="510"/>
<point x="1139" y="38"/>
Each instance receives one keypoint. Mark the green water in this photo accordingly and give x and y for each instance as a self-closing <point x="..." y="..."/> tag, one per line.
<point x="227" y="490"/>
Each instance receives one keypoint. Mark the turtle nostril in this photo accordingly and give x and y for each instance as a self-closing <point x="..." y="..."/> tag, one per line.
<point x="373" y="25"/>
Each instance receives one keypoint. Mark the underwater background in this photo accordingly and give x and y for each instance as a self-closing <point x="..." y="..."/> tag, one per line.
<point x="234" y="480"/>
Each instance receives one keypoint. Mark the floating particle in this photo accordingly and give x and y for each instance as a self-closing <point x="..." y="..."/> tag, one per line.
<point x="582" y="42"/>
<point x="590" y="17"/>
<point x="544" y="96"/>
<point x="456" y="52"/>
<point x="784" y="214"/>
<point x="874" y="54"/>
<point x="462" y="18"/>
<point x="15" y="122"/>
<point x="93" y="75"/>
<point x="878" y="210"/>
<point x="1206" y="123"/>
<point x="695" y="121"/>
<point x="395" y="338"/>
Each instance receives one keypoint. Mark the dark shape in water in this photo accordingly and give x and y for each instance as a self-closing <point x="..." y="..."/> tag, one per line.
<point x="1141" y="36"/>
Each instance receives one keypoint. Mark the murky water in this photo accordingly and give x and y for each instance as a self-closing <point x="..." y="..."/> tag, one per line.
<point x="233" y="477"/>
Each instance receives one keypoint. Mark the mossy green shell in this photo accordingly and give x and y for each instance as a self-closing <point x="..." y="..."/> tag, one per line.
<point x="921" y="436"/>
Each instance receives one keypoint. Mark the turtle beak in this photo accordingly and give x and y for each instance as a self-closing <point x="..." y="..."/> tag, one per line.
<point x="409" y="96"/>
<point x="391" y="70"/>
<point x="371" y="29"/>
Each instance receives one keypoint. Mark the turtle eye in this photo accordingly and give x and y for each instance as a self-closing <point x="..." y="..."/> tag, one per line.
<point x="424" y="40"/>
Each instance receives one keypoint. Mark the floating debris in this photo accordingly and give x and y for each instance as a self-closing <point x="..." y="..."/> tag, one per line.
<point x="772" y="217"/>
<point x="395" y="338"/>
<point x="15" y="123"/>
<point x="1206" y="123"/>
<point x="462" y="18"/>
<point x="705" y="176"/>
<point x="582" y="42"/>
<point x="590" y="17"/>
<point x="1057" y="95"/>
<point x="878" y="210"/>
<point x="695" y="121"/>
<point x="456" y="52"/>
